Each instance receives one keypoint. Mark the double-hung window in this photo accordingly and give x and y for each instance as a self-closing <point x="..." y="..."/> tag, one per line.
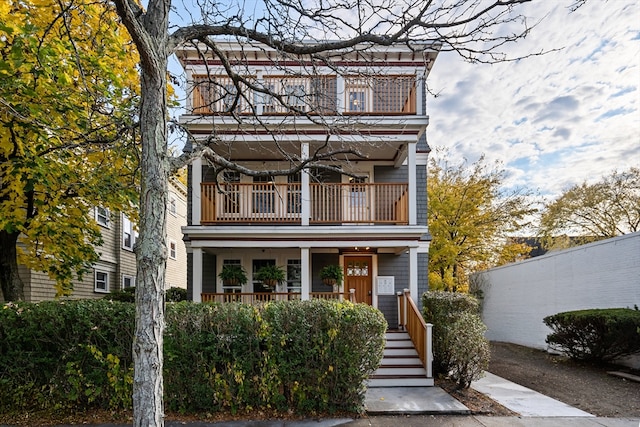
<point x="101" y="281"/>
<point x="102" y="216"/>
<point x="129" y="233"/>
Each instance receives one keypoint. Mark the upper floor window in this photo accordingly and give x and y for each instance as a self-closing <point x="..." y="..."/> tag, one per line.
<point x="173" y="209"/>
<point x="173" y="249"/>
<point x="129" y="233"/>
<point x="102" y="216"/>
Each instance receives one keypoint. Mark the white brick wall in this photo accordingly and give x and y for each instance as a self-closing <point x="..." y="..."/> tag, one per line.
<point x="518" y="296"/>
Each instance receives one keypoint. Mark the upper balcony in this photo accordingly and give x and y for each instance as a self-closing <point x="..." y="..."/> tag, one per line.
<point x="326" y="95"/>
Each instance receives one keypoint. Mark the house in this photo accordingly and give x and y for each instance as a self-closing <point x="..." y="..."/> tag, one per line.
<point x="363" y="209"/>
<point x="116" y="268"/>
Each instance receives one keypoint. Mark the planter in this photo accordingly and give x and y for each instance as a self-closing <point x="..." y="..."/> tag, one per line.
<point x="329" y="281"/>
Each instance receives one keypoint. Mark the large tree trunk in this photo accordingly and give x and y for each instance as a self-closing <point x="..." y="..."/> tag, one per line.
<point x="11" y="286"/>
<point x="151" y="248"/>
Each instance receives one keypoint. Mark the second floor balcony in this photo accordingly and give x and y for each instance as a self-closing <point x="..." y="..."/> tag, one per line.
<point x="314" y="95"/>
<point x="326" y="203"/>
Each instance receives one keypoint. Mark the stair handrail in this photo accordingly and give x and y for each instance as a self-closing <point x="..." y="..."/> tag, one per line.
<point x="420" y="332"/>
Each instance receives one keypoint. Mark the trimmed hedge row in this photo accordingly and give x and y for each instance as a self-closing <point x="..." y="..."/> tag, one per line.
<point x="598" y="335"/>
<point x="305" y="356"/>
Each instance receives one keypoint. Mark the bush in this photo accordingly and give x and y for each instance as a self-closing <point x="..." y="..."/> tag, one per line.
<point x="66" y="354"/>
<point x="598" y="335"/>
<point x="468" y="349"/>
<point x="442" y="309"/>
<point x="124" y="295"/>
<point x="304" y="356"/>
<point x="176" y="294"/>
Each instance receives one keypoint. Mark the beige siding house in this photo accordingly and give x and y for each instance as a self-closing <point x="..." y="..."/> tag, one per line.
<point x="116" y="268"/>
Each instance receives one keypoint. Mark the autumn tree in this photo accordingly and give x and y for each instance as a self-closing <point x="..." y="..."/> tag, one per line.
<point x="471" y="216"/>
<point x="68" y="94"/>
<point x="316" y="32"/>
<point x="590" y="212"/>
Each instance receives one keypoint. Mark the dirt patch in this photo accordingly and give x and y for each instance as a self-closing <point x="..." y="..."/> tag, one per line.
<point x="584" y="386"/>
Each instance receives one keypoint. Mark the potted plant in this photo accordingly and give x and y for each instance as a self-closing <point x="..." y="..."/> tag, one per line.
<point x="271" y="275"/>
<point x="233" y="274"/>
<point x="331" y="274"/>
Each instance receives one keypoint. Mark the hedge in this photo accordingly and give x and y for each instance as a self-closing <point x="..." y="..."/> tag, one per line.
<point x="304" y="356"/>
<point x="460" y="350"/>
<point x="598" y="335"/>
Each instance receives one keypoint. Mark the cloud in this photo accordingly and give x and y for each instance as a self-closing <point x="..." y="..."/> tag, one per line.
<point x="554" y="120"/>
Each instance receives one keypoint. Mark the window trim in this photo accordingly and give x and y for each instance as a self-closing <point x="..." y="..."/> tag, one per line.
<point x="97" y="271"/>
<point x="175" y="249"/>
<point x="133" y="281"/>
<point x="106" y="222"/>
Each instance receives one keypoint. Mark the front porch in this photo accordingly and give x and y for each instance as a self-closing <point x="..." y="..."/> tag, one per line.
<point x="261" y="297"/>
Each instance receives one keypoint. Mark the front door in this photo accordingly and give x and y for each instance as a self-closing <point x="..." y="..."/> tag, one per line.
<point x="358" y="277"/>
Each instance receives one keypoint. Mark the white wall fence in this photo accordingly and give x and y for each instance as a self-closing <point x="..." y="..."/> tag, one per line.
<point x="604" y="274"/>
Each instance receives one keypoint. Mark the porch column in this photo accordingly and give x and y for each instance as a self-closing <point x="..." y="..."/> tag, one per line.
<point x="305" y="210"/>
<point x="413" y="274"/>
<point x="305" y="273"/>
<point x="197" y="274"/>
<point x="420" y="104"/>
<point x="196" y="200"/>
<point x="413" y="188"/>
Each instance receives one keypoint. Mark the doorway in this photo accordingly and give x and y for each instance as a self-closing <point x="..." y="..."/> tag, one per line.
<point x="358" y="276"/>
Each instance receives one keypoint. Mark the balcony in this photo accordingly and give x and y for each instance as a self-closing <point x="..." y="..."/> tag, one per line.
<point x="330" y="203"/>
<point x="328" y="95"/>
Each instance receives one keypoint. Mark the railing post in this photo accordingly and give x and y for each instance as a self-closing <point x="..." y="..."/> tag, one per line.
<point x="400" y="314"/>
<point x="428" y="350"/>
<point x="406" y="294"/>
<point x="352" y="295"/>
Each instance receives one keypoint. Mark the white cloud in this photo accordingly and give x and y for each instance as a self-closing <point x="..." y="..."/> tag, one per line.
<point x="556" y="119"/>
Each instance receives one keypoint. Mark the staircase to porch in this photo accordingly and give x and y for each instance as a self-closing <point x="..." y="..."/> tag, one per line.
<point x="401" y="365"/>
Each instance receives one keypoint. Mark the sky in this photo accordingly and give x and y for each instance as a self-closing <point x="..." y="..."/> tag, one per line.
<point x="554" y="120"/>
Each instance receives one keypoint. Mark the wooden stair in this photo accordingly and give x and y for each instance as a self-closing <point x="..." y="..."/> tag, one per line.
<point x="400" y="366"/>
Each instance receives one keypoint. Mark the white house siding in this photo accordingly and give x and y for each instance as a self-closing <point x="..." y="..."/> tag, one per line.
<point x="518" y="296"/>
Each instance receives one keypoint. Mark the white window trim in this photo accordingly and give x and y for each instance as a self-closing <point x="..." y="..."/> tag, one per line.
<point x="95" y="281"/>
<point x="133" y="280"/>
<point x="175" y="243"/>
<point x="173" y="205"/>
<point x="132" y="233"/>
<point x="107" y="216"/>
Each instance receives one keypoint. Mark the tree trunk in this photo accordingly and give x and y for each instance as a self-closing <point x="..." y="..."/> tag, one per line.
<point x="151" y="248"/>
<point x="11" y="286"/>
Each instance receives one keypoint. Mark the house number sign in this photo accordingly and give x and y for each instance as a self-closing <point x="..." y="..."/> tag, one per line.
<point x="386" y="285"/>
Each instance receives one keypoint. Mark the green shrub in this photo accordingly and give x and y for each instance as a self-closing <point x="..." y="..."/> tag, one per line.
<point x="598" y="335"/>
<point x="468" y="349"/>
<point x="124" y="295"/>
<point x="442" y="309"/>
<point x="176" y="294"/>
<point x="304" y="356"/>
<point x="66" y="354"/>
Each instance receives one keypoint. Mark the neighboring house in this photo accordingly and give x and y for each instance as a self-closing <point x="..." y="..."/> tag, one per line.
<point x="116" y="268"/>
<point x="371" y="220"/>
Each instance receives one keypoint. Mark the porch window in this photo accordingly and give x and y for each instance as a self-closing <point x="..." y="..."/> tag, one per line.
<point x="231" y="201"/>
<point x="294" y="271"/>
<point x="231" y="289"/>
<point x="257" y="264"/>
<point x="263" y="195"/>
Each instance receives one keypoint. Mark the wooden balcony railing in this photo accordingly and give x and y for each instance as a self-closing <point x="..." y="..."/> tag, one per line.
<point x="384" y="203"/>
<point x="410" y="318"/>
<point x="262" y="297"/>
<point x="286" y="94"/>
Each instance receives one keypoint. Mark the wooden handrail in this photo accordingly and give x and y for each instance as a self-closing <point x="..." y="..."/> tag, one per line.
<point x="410" y="318"/>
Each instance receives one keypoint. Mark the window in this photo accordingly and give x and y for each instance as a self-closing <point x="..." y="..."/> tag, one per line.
<point x="102" y="216"/>
<point x="128" y="281"/>
<point x="172" y="206"/>
<point x="357" y="100"/>
<point x="294" y="271"/>
<point x="129" y="234"/>
<point x="294" y="195"/>
<point x="231" y="203"/>
<point x="263" y="195"/>
<point x="231" y="289"/>
<point x="257" y="264"/>
<point x="173" y="249"/>
<point x="295" y="94"/>
<point x="101" y="281"/>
